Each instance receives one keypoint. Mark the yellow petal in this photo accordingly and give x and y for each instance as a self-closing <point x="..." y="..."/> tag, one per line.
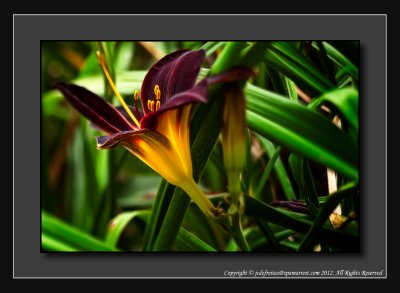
<point x="174" y="125"/>
<point x="158" y="153"/>
<point x="197" y="195"/>
<point x="166" y="149"/>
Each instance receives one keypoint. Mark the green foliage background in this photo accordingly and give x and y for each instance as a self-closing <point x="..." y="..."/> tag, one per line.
<point x="302" y="118"/>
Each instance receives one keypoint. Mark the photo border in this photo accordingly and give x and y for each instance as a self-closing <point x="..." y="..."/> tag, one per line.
<point x="29" y="30"/>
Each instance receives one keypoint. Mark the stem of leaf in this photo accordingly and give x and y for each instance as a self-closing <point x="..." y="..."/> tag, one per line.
<point x="225" y="60"/>
<point x="237" y="234"/>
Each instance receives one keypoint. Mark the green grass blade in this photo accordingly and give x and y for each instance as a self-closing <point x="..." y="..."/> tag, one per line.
<point x="302" y="173"/>
<point x="329" y="206"/>
<point x="291" y="89"/>
<point x="269" y="235"/>
<point x="91" y="66"/>
<point x="123" y="56"/>
<point x="172" y="221"/>
<point x="286" y="59"/>
<point x="70" y="235"/>
<point x="118" y="224"/>
<point x="290" y="245"/>
<point x="301" y="130"/>
<point x="159" y="209"/>
<point x="301" y="145"/>
<point x="198" y="224"/>
<point x="280" y="170"/>
<point x="77" y="185"/>
<point x="300" y="223"/>
<point x="52" y="244"/>
<point x="323" y="62"/>
<point x="211" y="47"/>
<point x="261" y="79"/>
<point x="340" y="59"/>
<point x="229" y="57"/>
<point x="262" y="243"/>
<point x="187" y="241"/>
<point x="345" y="100"/>
<point x="276" y="81"/>
<point x="267" y="171"/>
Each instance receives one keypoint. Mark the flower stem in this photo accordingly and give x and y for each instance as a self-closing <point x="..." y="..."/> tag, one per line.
<point x="228" y="57"/>
<point x="237" y="234"/>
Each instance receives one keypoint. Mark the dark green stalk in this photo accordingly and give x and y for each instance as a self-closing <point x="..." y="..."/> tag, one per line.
<point x="269" y="235"/>
<point x="267" y="171"/>
<point x="237" y="234"/>
<point x="229" y="57"/>
<point x="330" y="205"/>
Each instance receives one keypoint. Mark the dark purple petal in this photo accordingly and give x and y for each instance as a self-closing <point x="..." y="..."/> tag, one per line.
<point x="100" y="112"/>
<point x="130" y="139"/>
<point x="138" y="114"/>
<point x="175" y="73"/>
<point x="110" y="141"/>
<point x="197" y="94"/>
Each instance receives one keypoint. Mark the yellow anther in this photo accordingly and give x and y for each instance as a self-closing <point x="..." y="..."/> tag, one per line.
<point x="136" y="95"/>
<point x="157" y="92"/>
<point x="158" y="105"/>
<point x="156" y="89"/>
<point x="150" y="105"/>
<point x="121" y="100"/>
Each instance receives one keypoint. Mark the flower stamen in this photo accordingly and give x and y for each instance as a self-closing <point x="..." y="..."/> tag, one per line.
<point x="136" y="99"/>
<point x="157" y="94"/>
<point x="136" y="96"/>
<point x="121" y="100"/>
<point x="150" y="105"/>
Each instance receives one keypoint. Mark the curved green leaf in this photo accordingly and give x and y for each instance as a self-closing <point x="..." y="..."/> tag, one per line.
<point x="57" y="231"/>
<point x="53" y="244"/>
<point x="329" y="206"/>
<point x="345" y="100"/>
<point x="340" y="59"/>
<point x="301" y="223"/>
<point x="118" y="224"/>
<point x="286" y="59"/>
<point x="187" y="241"/>
<point x="301" y="130"/>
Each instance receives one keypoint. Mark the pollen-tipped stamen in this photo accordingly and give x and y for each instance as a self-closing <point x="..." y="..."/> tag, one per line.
<point x="157" y="93"/>
<point x="157" y="103"/>
<point x="121" y="100"/>
<point x="150" y="105"/>
<point x="136" y="99"/>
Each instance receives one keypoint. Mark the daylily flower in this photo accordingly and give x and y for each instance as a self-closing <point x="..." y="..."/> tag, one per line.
<point x="158" y="134"/>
